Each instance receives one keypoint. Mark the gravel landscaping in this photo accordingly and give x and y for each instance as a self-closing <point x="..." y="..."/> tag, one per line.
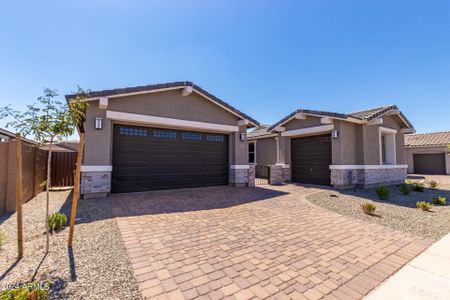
<point x="398" y="212"/>
<point x="98" y="268"/>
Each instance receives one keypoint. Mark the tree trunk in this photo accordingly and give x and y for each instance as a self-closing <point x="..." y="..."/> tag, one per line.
<point x="49" y="161"/>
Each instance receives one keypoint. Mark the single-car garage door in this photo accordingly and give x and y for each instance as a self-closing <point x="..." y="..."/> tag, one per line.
<point x="146" y="159"/>
<point x="311" y="159"/>
<point x="429" y="164"/>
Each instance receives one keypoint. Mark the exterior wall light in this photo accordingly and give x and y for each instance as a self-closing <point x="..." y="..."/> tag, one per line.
<point x="242" y="136"/>
<point x="334" y="133"/>
<point x="98" y="123"/>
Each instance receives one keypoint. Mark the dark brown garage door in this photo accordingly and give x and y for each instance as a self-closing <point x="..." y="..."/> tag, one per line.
<point x="429" y="164"/>
<point x="311" y="159"/>
<point x="146" y="159"/>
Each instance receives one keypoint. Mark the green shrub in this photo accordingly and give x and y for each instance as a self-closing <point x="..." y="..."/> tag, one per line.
<point x="425" y="206"/>
<point x="31" y="291"/>
<point x="440" y="200"/>
<point x="433" y="184"/>
<point x="57" y="221"/>
<point x="2" y="238"/>
<point x="405" y="189"/>
<point x="368" y="208"/>
<point x="418" y="187"/>
<point x="409" y="181"/>
<point x="383" y="192"/>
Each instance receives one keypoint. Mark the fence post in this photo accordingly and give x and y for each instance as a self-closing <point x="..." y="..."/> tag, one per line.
<point x="19" y="194"/>
<point x="76" y="189"/>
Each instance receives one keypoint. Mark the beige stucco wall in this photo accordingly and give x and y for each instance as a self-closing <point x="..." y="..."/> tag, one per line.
<point x="425" y="150"/>
<point x="298" y="124"/>
<point x="345" y="147"/>
<point x="169" y="104"/>
<point x="266" y="151"/>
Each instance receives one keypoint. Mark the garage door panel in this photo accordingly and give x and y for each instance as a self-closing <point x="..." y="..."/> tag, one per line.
<point x="429" y="163"/>
<point x="166" y="159"/>
<point x="311" y="158"/>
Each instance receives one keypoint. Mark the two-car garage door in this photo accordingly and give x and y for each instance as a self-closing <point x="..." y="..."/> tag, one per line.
<point x="146" y="159"/>
<point x="429" y="164"/>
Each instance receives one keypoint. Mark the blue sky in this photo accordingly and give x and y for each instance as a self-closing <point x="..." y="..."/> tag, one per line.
<point x="266" y="58"/>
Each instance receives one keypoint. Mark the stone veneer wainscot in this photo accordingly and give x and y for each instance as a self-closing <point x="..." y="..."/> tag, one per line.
<point x="367" y="176"/>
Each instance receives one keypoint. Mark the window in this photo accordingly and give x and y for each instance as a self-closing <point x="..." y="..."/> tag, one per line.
<point x="215" y="138"/>
<point x="195" y="136"/>
<point x="133" y="131"/>
<point x="164" y="134"/>
<point x="251" y="152"/>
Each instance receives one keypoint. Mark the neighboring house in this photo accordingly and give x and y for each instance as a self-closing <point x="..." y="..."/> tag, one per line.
<point x="428" y="153"/>
<point x="163" y="136"/>
<point x="363" y="148"/>
<point x="65" y="146"/>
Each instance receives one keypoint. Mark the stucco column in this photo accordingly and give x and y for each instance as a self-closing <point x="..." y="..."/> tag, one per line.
<point x="281" y="169"/>
<point x="241" y="172"/>
<point x="447" y="161"/>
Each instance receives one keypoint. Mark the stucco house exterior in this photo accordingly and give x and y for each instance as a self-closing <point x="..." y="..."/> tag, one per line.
<point x="428" y="153"/>
<point x="363" y="148"/>
<point x="162" y="136"/>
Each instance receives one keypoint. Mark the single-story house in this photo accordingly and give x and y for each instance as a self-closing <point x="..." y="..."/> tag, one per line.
<point x="364" y="148"/>
<point x="163" y="136"/>
<point x="428" y="153"/>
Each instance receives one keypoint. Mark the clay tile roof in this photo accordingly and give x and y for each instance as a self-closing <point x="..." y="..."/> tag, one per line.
<point x="180" y="84"/>
<point x="428" y="139"/>
<point x="372" y="113"/>
<point x="259" y="131"/>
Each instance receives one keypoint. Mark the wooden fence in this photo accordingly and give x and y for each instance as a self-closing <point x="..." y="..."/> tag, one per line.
<point x="63" y="168"/>
<point x="34" y="165"/>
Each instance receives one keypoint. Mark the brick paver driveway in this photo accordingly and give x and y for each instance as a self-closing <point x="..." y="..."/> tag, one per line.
<point x="245" y="243"/>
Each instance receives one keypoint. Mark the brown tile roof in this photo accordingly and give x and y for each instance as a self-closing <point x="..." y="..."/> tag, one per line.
<point x="120" y="91"/>
<point x="368" y="114"/>
<point x="259" y="131"/>
<point x="427" y="139"/>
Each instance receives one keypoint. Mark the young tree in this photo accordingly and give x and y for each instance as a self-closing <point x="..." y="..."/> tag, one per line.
<point x="48" y="121"/>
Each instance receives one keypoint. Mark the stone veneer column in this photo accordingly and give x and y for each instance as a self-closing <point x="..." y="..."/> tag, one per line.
<point x="276" y="174"/>
<point x="242" y="176"/>
<point x="95" y="183"/>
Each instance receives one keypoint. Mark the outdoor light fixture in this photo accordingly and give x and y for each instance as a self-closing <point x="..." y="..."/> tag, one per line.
<point x="334" y="133"/>
<point x="242" y="137"/>
<point x="98" y="123"/>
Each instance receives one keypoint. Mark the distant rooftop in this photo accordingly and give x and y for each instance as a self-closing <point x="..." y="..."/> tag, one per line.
<point x="428" y="139"/>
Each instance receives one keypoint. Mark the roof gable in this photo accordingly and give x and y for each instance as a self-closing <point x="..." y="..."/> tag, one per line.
<point x="360" y="117"/>
<point x="128" y="91"/>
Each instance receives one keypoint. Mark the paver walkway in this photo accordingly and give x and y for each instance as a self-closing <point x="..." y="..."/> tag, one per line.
<point x="254" y="243"/>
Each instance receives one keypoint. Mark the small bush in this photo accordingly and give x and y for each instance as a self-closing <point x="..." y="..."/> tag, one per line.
<point x="433" y="184"/>
<point x="405" y="189"/>
<point x="383" y="192"/>
<point x="2" y="238"/>
<point x="418" y="187"/>
<point x="409" y="181"/>
<point x="57" y="221"/>
<point x="440" y="200"/>
<point x="368" y="208"/>
<point x="425" y="206"/>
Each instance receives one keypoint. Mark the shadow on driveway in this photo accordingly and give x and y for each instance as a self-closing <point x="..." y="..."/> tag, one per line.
<point x="186" y="200"/>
